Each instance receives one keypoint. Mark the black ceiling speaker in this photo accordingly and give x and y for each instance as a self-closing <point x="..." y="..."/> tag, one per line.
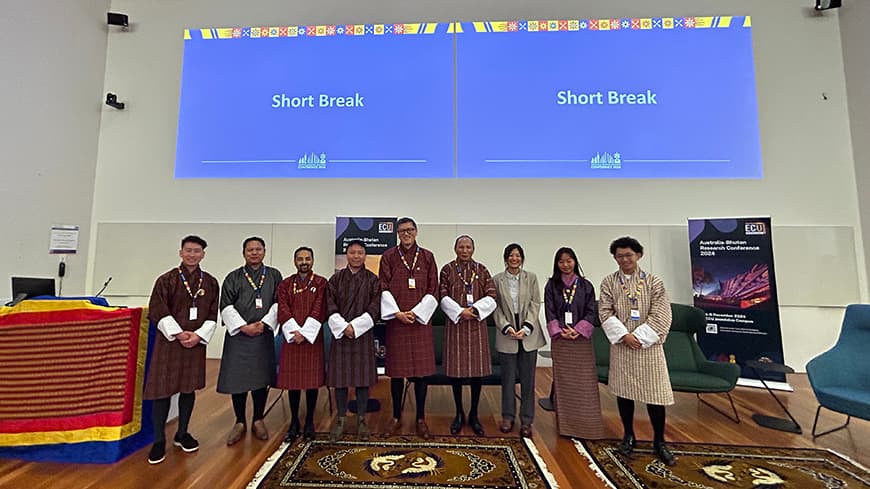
<point x="113" y="18"/>
<point x="828" y="4"/>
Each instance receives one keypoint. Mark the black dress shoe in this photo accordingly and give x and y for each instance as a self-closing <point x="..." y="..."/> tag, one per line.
<point x="664" y="454"/>
<point x="308" y="432"/>
<point x="293" y="432"/>
<point x="457" y="423"/>
<point x="626" y="446"/>
<point x="476" y="427"/>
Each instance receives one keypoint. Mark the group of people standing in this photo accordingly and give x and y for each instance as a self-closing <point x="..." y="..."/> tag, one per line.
<point x="256" y="304"/>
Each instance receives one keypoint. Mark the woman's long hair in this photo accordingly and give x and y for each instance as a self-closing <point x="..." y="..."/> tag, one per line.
<point x="557" y="274"/>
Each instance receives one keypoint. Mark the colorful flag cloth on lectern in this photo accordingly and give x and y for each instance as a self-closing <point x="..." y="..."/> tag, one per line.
<point x="71" y="377"/>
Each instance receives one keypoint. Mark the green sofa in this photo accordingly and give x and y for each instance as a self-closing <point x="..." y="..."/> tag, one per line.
<point x="689" y="370"/>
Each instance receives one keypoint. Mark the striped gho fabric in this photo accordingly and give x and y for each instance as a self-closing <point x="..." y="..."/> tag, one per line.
<point x="640" y="375"/>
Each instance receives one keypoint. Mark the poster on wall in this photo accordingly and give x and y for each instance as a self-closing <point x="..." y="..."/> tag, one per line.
<point x="734" y="283"/>
<point x="379" y="235"/>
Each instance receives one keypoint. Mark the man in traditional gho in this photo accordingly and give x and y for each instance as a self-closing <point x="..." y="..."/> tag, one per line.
<point x="635" y="313"/>
<point x="352" y="304"/>
<point x="301" y="311"/>
<point x="184" y="304"/>
<point x="250" y="313"/>
<point x="409" y="285"/>
<point x="467" y="298"/>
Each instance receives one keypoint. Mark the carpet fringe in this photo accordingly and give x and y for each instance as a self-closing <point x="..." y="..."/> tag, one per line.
<point x="592" y="465"/>
<point x="270" y="462"/>
<point x="550" y="478"/>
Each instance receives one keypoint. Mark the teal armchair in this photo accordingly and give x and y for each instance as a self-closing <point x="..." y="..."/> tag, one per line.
<point x="839" y="377"/>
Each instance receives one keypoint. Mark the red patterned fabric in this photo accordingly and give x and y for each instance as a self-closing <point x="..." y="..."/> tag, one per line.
<point x="410" y="349"/>
<point x="302" y="366"/>
<point x="174" y="368"/>
<point x="466" y="344"/>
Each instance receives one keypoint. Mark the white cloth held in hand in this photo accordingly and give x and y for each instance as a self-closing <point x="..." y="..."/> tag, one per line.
<point x="271" y="317"/>
<point x="288" y="328"/>
<point x="485" y="306"/>
<point x="310" y="329"/>
<point x="614" y="329"/>
<point x="206" y="331"/>
<point x="389" y="307"/>
<point x="337" y="325"/>
<point x="169" y="327"/>
<point x="646" y="335"/>
<point x="451" y="308"/>
<point x="232" y="320"/>
<point x="361" y="324"/>
<point x="425" y="308"/>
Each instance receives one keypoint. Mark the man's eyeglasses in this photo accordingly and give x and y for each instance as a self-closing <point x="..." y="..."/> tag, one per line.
<point x="406" y="231"/>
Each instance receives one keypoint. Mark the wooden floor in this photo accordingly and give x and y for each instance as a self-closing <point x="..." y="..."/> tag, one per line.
<point x="216" y="466"/>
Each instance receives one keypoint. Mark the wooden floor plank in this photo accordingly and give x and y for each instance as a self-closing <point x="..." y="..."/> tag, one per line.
<point x="216" y="466"/>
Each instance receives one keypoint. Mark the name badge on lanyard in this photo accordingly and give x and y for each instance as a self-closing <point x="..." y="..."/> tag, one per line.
<point x="412" y="283"/>
<point x="469" y="299"/>
<point x="192" y="314"/>
<point x="635" y="315"/>
<point x="258" y="303"/>
<point x="569" y="318"/>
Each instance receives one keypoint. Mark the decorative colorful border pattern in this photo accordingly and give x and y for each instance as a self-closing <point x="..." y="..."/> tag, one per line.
<point x="106" y="428"/>
<point x="314" y="31"/>
<point x="614" y="24"/>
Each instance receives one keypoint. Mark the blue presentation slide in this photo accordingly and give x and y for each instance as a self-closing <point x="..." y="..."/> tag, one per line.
<point x="620" y="98"/>
<point x="317" y="101"/>
<point x="668" y="97"/>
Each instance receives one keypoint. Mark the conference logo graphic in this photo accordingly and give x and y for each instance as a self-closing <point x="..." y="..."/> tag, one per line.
<point x="606" y="161"/>
<point x="312" y="161"/>
<point x="754" y="228"/>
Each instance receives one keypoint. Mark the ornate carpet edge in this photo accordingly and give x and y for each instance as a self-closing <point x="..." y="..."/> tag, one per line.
<point x="593" y="465"/>
<point x="596" y="468"/>
<point x="548" y="476"/>
<point x="270" y="462"/>
<point x="542" y="466"/>
<point x="848" y="459"/>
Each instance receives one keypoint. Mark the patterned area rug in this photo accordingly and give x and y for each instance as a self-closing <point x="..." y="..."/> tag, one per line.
<point x="399" y="463"/>
<point x="708" y="466"/>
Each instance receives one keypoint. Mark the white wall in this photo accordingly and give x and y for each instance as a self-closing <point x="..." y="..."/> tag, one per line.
<point x="807" y="149"/>
<point x="53" y="57"/>
<point x="854" y="19"/>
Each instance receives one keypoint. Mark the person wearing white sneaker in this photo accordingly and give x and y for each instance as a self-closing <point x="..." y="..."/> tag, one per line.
<point x="183" y="306"/>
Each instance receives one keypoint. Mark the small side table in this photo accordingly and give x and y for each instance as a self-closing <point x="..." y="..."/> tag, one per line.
<point x="790" y="425"/>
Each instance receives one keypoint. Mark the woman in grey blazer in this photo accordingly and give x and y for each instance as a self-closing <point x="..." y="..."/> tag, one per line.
<point x="518" y="302"/>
